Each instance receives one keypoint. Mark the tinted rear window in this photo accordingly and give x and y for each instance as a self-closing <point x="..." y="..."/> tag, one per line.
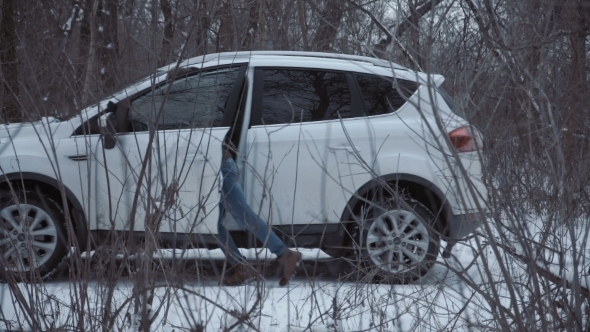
<point x="383" y="95"/>
<point x="293" y="95"/>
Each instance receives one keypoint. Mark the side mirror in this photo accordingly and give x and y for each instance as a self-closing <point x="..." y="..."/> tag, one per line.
<point x="108" y="123"/>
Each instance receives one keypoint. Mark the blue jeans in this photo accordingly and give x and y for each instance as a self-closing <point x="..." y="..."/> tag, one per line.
<point x="234" y="201"/>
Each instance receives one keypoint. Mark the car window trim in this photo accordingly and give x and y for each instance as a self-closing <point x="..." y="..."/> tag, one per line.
<point x="356" y="100"/>
<point x="396" y="89"/>
<point x="258" y="90"/>
<point x="180" y="75"/>
<point x="225" y="122"/>
<point x="233" y="100"/>
<point x="127" y="101"/>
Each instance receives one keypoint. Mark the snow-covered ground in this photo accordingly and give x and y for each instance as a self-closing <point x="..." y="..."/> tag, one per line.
<point x="443" y="300"/>
<point x="320" y="304"/>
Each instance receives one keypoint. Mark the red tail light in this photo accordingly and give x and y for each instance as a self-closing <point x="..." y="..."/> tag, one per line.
<point x="466" y="139"/>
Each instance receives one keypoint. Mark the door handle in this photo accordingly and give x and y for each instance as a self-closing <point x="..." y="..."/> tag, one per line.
<point x="198" y="157"/>
<point x="80" y="157"/>
<point x="348" y="148"/>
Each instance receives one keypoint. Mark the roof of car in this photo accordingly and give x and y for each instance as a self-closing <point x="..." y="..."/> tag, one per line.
<point x="368" y="64"/>
<point x="245" y="56"/>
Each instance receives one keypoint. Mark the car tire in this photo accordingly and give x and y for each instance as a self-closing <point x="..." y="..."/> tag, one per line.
<point x="396" y="240"/>
<point x="31" y="249"/>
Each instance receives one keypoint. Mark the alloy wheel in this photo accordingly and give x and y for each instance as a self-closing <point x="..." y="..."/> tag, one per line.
<point x="397" y="241"/>
<point x="28" y="237"/>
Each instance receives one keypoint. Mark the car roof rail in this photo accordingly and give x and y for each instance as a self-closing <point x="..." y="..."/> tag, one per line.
<point x="246" y="54"/>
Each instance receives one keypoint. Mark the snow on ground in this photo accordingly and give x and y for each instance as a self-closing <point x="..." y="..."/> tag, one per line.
<point x="436" y="301"/>
<point x="442" y="300"/>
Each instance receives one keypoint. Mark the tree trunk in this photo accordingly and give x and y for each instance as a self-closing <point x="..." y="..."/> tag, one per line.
<point x="9" y="102"/>
<point x="169" y="28"/>
<point x="301" y="10"/>
<point x="261" y="23"/>
<point x="108" y="45"/>
<point x="225" y="35"/>
<point x="329" y="21"/>
<point x="413" y="35"/>
<point x="203" y="27"/>
<point x="83" y="46"/>
<point x="91" y="72"/>
<point x="99" y="32"/>
<point x="249" y="42"/>
<point x="579" y="86"/>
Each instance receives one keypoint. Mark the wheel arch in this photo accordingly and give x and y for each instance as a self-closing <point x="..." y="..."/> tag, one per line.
<point x="418" y="188"/>
<point x="31" y="180"/>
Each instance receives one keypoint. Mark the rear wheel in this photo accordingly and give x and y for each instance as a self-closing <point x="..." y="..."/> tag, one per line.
<point x="32" y="237"/>
<point x="397" y="240"/>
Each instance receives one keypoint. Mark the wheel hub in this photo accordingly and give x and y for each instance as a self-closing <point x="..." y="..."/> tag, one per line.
<point x="397" y="240"/>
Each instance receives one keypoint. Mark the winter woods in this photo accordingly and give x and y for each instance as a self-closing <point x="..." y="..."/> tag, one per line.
<point x="517" y="69"/>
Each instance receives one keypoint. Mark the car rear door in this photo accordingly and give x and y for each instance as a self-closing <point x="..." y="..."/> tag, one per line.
<point x="299" y="158"/>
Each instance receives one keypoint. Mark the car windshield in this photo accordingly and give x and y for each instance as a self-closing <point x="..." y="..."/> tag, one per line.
<point x="451" y="102"/>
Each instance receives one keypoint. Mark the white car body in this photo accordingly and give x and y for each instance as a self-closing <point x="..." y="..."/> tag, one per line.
<point x="300" y="176"/>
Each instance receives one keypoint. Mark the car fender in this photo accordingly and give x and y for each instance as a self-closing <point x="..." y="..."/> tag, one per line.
<point x="405" y="167"/>
<point x="11" y="169"/>
<point x="419" y="166"/>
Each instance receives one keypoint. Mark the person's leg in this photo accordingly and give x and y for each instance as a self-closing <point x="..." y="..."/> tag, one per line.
<point x="226" y="243"/>
<point x="236" y="205"/>
<point x="241" y="272"/>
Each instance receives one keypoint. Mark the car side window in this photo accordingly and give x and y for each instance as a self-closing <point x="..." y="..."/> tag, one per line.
<point x="294" y="95"/>
<point x="383" y="95"/>
<point x="193" y="101"/>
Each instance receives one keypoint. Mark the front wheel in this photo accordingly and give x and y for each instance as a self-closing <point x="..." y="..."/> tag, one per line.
<point x="32" y="236"/>
<point x="397" y="240"/>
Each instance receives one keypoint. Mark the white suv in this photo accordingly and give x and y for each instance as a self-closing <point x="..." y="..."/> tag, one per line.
<point x="354" y="155"/>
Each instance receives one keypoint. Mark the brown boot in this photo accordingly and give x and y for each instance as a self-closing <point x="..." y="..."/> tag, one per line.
<point x="288" y="261"/>
<point x="241" y="274"/>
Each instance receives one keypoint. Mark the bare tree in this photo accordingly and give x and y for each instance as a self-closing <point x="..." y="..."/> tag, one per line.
<point x="517" y="69"/>
<point x="9" y="95"/>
